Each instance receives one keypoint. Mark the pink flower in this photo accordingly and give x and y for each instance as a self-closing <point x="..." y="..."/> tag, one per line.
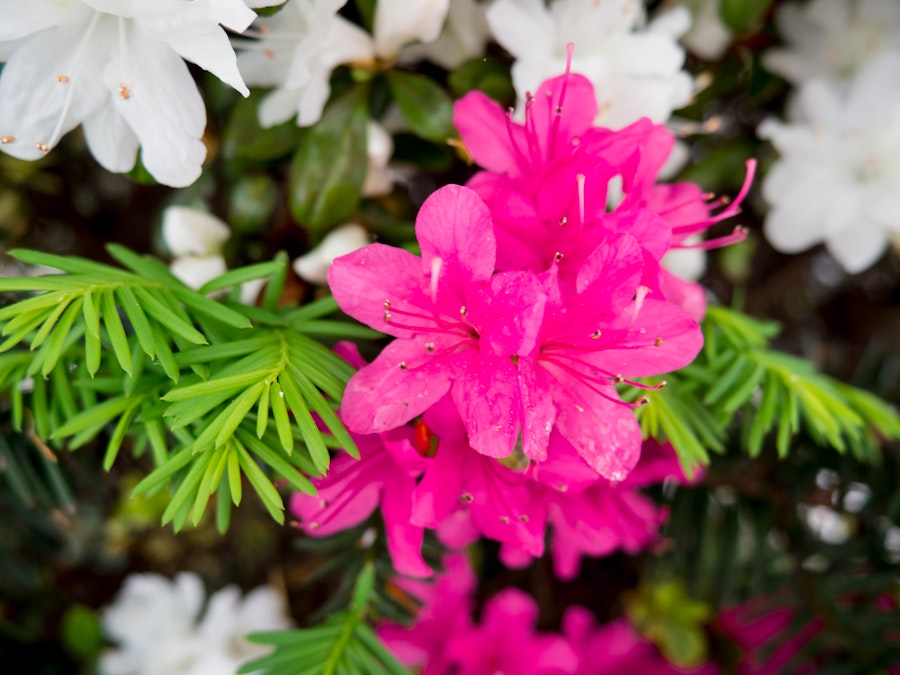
<point x="500" y="503"/>
<point x="593" y="516"/>
<point x="444" y="641"/>
<point x="616" y="648"/>
<point x="385" y="474"/>
<point x="515" y="351"/>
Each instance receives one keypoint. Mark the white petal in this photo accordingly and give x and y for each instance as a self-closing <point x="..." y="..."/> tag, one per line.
<point x="313" y="267"/>
<point x="161" y="103"/>
<point x="522" y="27"/>
<point x="111" y="141"/>
<point x="212" y="51"/>
<point x="24" y="18"/>
<point x="196" y="271"/>
<point x="687" y="263"/>
<point x="464" y="37"/>
<point x="280" y="106"/>
<point x="708" y="37"/>
<point x="399" y="22"/>
<point x="50" y="84"/>
<point x="189" y="232"/>
<point x="859" y="247"/>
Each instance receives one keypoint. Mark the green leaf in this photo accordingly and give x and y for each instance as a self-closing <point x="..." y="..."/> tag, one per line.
<point x="426" y="106"/>
<point x="263" y="486"/>
<point x="217" y="385"/>
<point x="211" y="308"/>
<point x="311" y="435"/>
<point x="484" y="74"/>
<point x="244" y="138"/>
<point x="743" y="15"/>
<point x="116" y="331"/>
<point x="329" y="168"/>
<point x="242" y="275"/>
<point x="280" y="415"/>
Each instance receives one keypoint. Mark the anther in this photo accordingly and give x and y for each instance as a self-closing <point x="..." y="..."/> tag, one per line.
<point x="558" y="256"/>
<point x="466" y="498"/>
<point x="43" y="147"/>
<point x="6" y="139"/>
<point x="124" y="91"/>
<point x="462" y="310"/>
<point x="523" y="518"/>
<point x="504" y="519"/>
<point x="269" y="54"/>
<point x="643" y="400"/>
<point x="559" y="110"/>
<point x="387" y="304"/>
<point x="314" y="526"/>
<point x="403" y="366"/>
<point x="596" y="334"/>
<point x="618" y="379"/>
<point x="62" y="79"/>
<point x="429" y="347"/>
<point x="658" y="342"/>
<point x="563" y="221"/>
<point x="387" y="317"/>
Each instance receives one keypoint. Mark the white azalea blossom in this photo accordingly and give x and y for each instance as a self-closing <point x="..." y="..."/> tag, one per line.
<point x="298" y="47"/>
<point x="159" y="627"/>
<point x="117" y="67"/>
<point x="636" y="70"/>
<point x="379" y="148"/>
<point x="464" y="36"/>
<point x="196" y="239"/>
<point x="833" y="38"/>
<point x="313" y="267"/>
<point x="838" y="179"/>
<point x="708" y="36"/>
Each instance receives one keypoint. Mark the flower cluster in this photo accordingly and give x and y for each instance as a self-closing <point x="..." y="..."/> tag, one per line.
<point x="836" y="181"/>
<point x="497" y="409"/>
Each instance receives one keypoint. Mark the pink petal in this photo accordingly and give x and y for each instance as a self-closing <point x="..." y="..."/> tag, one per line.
<point x="404" y="540"/>
<point x="454" y="226"/>
<point x="608" y="278"/>
<point x="538" y="413"/>
<point x="362" y="281"/>
<point x="385" y="394"/>
<point x="509" y="316"/>
<point x="574" y="94"/>
<point x="485" y="130"/>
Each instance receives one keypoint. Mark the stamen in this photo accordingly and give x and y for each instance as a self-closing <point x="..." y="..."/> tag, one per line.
<point x="580" y="180"/>
<point x="429" y="347"/>
<point x="557" y="257"/>
<point x="124" y="91"/>
<point x="658" y="342"/>
<point x="387" y="304"/>
<point x="737" y="235"/>
<point x="62" y="79"/>
<point x="523" y="518"/>
<point x="504" y="520"/>
<point x="563" y="221"/>
<point x="596" y="334"/>
<point x="589" y="383"/>
<point x="554" y="130"/>
<point x="466" y="498"/>
<point x="43" y="147"/>
<point x="7" y="139"/>
<point x="512" y="138"/>
<point x="462" y="310"/>
<point x="403" y="366"/>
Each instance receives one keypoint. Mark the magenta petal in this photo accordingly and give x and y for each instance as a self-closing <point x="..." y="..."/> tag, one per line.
<point x="404" y="540"/>
<point x="538" y="412"/>
<point x="486" y="394"/>
<point x="604" y="433"/>
<point x="510" y="313"/>
<point x="386" y="394"/>
<point x="689" y="296"/>
<point x="574" y="95"/>
<point x="456" y="235"/>
<point x="667" y="339"/>
<point x="564" y="471"/>
<point x="608" y="278"/>
<point x="362" y="281"/>
<point x="485" y="130"/>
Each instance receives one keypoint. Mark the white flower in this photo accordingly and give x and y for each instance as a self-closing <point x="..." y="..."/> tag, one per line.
<point x="313" y="267"/>
<point x="117" y="68"/>
<point x="379" y="147"/>
<point x="298" y="47"/>
<point x="833" y="38"/>
<point x="708" y="37"/>
<point x="196" y="239"/>
<point x="464" y="37"/>
<point x="158" y="628"/>
<point x="838" y="180"/>
<point x="635" y="73"/>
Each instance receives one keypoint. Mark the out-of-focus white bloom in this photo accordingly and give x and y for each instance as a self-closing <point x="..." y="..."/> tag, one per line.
<point x="708" y="37"/>
<point x="687" y="263"/>
<point x="117" y="68"/>
<point x="158" y="628"/>
<point x="636" y="70"/>
<point x="827" y="524"/>
<point x="296" y="51"/>
<point x="838" y="180"/>
<point x="833" y="38"/>
<point x="298" y="47"/>
<point x="379" y="147"/>
<point x="464" y="37"/>
<point x="313" y="267"/>
<point x="196" y="239"/>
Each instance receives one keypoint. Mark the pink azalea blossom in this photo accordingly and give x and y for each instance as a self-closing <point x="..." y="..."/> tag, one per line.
<point x="593" y="516"/>
<point x="516" y="354"/>
<point x="444" y="640"/>
<point x="384" y="475"/>
<point x="616" y="648"/>
<point x="546" y="183"/>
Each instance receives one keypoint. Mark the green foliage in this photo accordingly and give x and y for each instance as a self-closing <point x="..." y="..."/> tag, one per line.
<point x="424" y="104"/>
<point x="743" y="15"/>
<point x="218" y="392"/>
<point x="343" y="645"/>
<point x="487" y="75"/>
<point x="329" y="167"/>
<point x="737" y="376"/>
